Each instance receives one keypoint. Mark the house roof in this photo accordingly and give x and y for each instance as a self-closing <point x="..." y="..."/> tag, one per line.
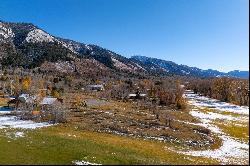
<point x="10" y="97"/>
<point x="133" y="95"/>
<point x="48" y="100"/>
<point x="27" y="98"/>
<point x="96" y="86"/>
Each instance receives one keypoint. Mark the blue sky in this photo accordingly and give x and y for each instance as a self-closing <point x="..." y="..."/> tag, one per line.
<point x="202" y="33"/>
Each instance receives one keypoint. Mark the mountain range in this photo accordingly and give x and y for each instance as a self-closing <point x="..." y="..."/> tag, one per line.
<point x="26" y="45"/>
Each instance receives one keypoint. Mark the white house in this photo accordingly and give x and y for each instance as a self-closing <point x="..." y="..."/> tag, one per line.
<point x="48" y="100"/>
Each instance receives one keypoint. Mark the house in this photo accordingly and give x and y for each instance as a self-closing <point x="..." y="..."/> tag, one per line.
<point x="23" y="98"/>
<point x="48" y="101"/>
<point x="97" y="87"/>
<point x="26" y="98"/>
<point x="137" y="96"/>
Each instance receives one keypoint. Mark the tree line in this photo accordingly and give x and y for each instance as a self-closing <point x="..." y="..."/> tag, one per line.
<point x="231" y="90"/>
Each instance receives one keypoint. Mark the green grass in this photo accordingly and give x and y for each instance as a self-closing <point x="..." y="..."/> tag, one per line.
<point x="64" y="144"/>
<point x="240" y="131"/>
<point x="233" y="114"/>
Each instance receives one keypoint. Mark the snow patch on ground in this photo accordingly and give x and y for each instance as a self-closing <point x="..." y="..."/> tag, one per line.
<point x="77" y="162"/>
<point x="15" y="135"/>
<point x="232" y="150"/>
<point x="5" y="112"/>
<point x="14" y="122"/>
<point x="19" y="134"/>
<point x="213" y="116"/>
<point x="202" y="101"/>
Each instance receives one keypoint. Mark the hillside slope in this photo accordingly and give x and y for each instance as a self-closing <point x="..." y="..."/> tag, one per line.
<point x="26" y="45"/>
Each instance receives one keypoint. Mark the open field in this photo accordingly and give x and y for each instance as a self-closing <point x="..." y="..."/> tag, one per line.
<point x="65" y="144"/>
<point x="78" y="142"/>
<point x="231" y="127"/>
<point x="137" y="119"/>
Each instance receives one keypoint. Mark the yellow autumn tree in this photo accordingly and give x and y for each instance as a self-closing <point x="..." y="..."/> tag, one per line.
<point x="77" y="101"/>
<point x="97" y="81"/>
<point x="55" y="93"/>
<point x="26" y="82"/>
<point x="42" y="92"/>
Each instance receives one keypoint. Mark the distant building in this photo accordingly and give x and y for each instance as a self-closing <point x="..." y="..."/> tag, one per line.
<point x="95" y="87"/>
<point x="137" y="96"/>
<point x="23" y="98"/>
<point x="26" y="98"/>
<point x="48" y="101"/>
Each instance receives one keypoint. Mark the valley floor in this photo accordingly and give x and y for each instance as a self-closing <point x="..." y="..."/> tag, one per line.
<point x="229" y="122"/>
<point x="26" y="142"/>
<point x="66" y="145"/>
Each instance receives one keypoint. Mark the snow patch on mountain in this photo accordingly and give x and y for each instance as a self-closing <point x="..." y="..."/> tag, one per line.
<point x="75" y="47"/>
<point x="64" y="66"/>
<point x="139" y="67"/>
<point x="5" y="32"/>
<point x="88" y="47"/>
<point x="121" y="65"/>
<point x="185" y="72"/>
<point x="69" y="45"/>
<point x="96" y="63"/>
<point x="37" y="35"/>
<point x="159" y="66"/>
<point x="129" y="66"/>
